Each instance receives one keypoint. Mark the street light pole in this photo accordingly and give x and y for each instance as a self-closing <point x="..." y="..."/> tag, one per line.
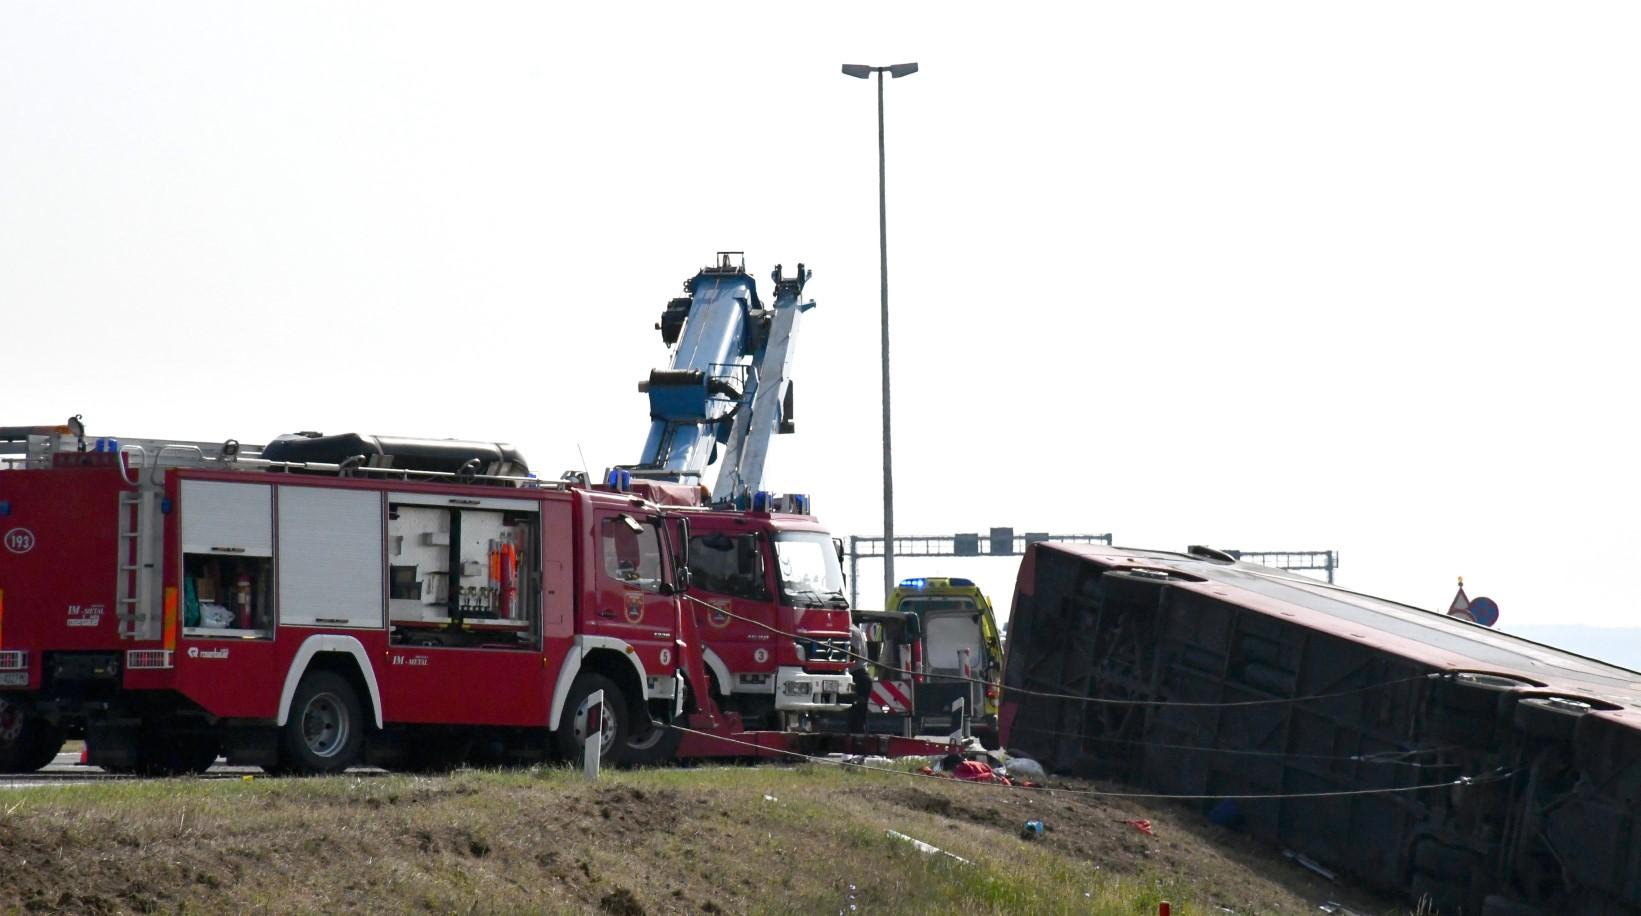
<point x="896" y="71"/>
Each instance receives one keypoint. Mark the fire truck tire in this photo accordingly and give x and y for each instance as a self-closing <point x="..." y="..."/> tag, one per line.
<point x="176" y="755"/>
<point x="657" y="746"/>
<point x="573" y="723"/>
<point x="326" y="728"/>
<point x="27" y="743"/>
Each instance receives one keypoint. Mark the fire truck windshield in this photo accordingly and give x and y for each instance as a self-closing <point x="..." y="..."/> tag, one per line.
<point x="810" y="573"/>
<point x="728" y="565"/>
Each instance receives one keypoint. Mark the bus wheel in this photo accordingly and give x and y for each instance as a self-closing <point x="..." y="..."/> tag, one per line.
<point x="27" y="743"/>
<point x="572" y="723"/>
<point x="325" y="730"/>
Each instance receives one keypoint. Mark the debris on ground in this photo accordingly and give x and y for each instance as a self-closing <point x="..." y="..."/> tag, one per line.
<point x="926" y="848"/>
<point x="1310" y="864"/>
<point x="975" y="771"/>
<point x="1026" y="767"/>
<point x="1141" y="824"/>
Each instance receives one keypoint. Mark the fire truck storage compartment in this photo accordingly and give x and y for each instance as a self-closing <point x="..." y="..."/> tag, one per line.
<point x="330" y="557"/>
<point x="462" y="563"/>
<point x="227" y="558"/>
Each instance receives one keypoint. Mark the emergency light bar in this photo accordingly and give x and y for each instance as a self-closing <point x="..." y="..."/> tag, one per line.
<point x="793" y="503"/>
<point x="922" y="583"/>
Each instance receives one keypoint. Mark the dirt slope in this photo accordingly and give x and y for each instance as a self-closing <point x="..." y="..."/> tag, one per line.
<point x="803" y="840"/>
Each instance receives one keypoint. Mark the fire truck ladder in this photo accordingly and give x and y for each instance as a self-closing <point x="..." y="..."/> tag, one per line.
<point x="136" y="608"/>
<point x="137" y="611"/>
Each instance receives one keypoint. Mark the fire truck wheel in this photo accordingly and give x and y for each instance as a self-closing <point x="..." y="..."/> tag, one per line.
<point x="572" y="725"/>
<point x="26" y="743"/>
<point x="658" y="745"/>
<point x="326" y="728"/>
<point x="177" y="755"/>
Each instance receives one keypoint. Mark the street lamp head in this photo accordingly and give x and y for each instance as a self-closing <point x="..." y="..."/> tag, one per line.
<point x="860" y="71"/>
<point x="899" y="70"/>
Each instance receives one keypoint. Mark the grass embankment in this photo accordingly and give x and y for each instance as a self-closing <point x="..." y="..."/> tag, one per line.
<point x="720" y="840"/>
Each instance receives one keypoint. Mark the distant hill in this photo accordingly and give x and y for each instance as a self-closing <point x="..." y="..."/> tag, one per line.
<point x="1615" y="645"/>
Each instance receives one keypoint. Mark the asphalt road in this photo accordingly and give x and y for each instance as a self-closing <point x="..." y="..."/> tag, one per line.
<point x="66" y="770"/>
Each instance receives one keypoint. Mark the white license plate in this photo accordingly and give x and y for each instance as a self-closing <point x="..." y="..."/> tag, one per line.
<point x="829" y="686"/>
<point x="14" y="679"/>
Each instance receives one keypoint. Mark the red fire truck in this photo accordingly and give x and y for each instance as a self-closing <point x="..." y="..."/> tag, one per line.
<point x="413" y="604"/>
<point x="757" y="576"/>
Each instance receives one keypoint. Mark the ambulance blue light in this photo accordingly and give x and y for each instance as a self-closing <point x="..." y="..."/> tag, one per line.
<point x="914" y="583"/>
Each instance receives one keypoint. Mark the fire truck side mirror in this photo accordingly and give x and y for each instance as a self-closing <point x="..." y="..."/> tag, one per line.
<point x="914" y="627"/>
<point x="682" y="578"/>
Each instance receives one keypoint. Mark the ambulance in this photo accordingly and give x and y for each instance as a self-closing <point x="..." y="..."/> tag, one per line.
<point x="958" y="639"/>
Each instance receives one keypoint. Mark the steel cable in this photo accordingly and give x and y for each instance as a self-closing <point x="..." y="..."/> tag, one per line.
<point x="1494" y="776"/>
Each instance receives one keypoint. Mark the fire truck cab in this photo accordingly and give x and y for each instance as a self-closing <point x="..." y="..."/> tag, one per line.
<point x="759" y="576"/>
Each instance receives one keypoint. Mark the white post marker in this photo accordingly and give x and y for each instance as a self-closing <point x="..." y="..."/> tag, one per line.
<point x="592" y="746"/>
<point x="960" y="720"/>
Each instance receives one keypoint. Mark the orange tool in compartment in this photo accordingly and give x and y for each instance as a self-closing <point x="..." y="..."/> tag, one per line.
<point x="493" y="587"/>
<point x="509" y="579"/>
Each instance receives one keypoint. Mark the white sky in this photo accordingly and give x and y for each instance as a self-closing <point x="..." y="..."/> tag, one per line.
<point x="1256" y="275"/>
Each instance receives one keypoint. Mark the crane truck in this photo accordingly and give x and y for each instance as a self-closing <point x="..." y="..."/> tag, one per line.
<point x="322" y="601"/>
<point x="763" y="565"/>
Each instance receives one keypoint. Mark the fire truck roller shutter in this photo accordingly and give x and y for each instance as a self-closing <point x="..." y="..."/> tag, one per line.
<point x="341" y="645"/>
<point x="330" y="557"/>
<point x="602" y="653"/>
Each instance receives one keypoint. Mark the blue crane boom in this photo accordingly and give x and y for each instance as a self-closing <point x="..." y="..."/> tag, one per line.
<point x="728" y="387"/>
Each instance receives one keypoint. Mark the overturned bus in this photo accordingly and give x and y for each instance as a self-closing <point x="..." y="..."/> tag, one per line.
<point x="1418" y="753"/>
